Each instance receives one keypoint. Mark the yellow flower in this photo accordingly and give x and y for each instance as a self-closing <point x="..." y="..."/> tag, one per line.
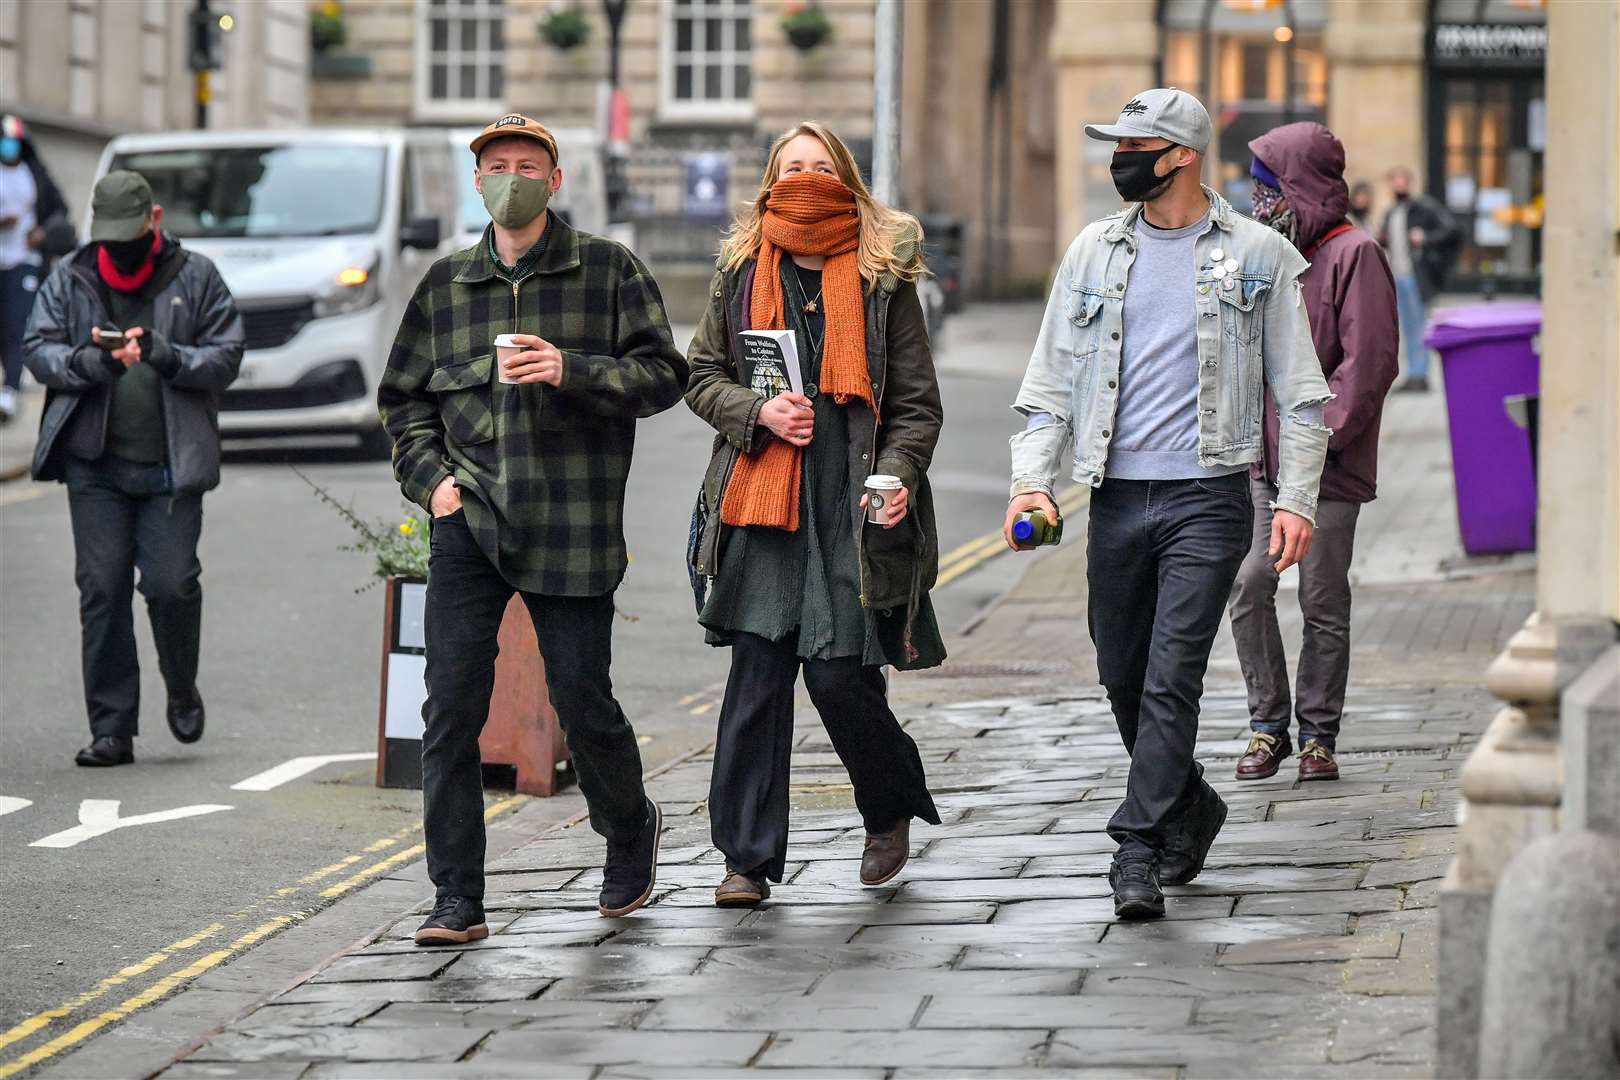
<point x="331" y="8"/>
<point x="407" y="527"/>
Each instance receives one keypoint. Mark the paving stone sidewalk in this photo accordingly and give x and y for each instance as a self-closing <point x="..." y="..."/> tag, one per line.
<point x="1306" y="948"/>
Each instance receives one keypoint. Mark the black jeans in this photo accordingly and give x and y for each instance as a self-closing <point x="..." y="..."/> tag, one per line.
<point x="17" y="288"/>
<point x="466" y="599"/>
<point x="125" y="518"/>
<point x="1162" y="555"/>
<point x="748" y="789"/>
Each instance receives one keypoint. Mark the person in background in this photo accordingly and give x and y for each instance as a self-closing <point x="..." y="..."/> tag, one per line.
<point x="34" y="226"/>
<point x="1299" y="191"/>
<point x="522" y="461"/>
<point x="1421" y="238"/>
<point x="131" y="425"/>
<point x="798" y="579"/>
<point x="1361" y="204"/>
<point x="1166" y="324"/>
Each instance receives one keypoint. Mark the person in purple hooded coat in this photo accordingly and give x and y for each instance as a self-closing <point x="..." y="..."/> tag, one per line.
<point x="1349" y="295"/>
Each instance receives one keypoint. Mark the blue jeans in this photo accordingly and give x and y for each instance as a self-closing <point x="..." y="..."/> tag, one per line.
<point x="1409" y="305"/>
<point x="1161" y="559"/>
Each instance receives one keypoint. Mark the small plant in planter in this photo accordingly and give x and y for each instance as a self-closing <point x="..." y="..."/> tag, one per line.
<point x="807" y="26"/>
<point x="565" y="27"/>
<point x="326" y="27"/>
<point x="396" y="550"/>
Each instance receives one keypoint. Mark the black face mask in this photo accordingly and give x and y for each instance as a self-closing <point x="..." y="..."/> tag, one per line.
<point x="1134" y="178"/>
<point x="128" y="255"/>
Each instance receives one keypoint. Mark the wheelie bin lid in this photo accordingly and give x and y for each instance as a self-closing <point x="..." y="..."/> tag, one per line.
<point x="1473" y="323"/>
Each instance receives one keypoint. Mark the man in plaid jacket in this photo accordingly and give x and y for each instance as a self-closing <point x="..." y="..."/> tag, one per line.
<point x="522" y="465"/>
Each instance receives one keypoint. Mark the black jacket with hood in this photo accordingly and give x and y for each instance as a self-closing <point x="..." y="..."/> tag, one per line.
<point x="195" y="344"/>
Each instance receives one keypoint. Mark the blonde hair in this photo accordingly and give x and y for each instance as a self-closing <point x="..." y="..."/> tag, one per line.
<point x="890" y="239"/>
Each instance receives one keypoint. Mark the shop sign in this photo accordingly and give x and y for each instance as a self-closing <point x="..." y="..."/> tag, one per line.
<point x="1491" y="44"/>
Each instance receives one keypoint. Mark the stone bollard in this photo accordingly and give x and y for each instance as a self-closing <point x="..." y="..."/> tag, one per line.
<point x="1552" y="979"/>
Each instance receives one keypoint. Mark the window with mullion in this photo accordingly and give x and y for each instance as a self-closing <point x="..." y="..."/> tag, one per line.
<point x="708" y="56"/>
<point x="465" y="53"/>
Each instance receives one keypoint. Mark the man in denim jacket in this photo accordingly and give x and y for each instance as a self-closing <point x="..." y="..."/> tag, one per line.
<point x="1160" y="389"/>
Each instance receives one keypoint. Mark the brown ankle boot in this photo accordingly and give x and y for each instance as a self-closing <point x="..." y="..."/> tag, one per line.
<point x="886" y="853"/>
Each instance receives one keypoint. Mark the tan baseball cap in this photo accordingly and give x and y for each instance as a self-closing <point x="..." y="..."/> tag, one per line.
<point x="516" y="124"/>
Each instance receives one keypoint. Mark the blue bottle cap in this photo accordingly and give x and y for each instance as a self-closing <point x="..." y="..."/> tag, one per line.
<point x="1023" y="529"/>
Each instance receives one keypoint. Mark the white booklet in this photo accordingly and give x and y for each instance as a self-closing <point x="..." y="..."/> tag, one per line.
<point x="773" y="357"/>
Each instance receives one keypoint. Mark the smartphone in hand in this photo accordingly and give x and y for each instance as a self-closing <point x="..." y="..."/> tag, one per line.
<point x="111" y="340"/>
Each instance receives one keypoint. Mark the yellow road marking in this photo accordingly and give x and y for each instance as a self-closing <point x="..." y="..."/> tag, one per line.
<point x="32" y="491"/>
<point x="699" y="710"/>
<point x="175" y="980"/>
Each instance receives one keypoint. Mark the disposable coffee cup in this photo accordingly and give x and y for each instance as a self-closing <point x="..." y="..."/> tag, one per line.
<point x="505" y="346"/>
<point x="880" y="490"/>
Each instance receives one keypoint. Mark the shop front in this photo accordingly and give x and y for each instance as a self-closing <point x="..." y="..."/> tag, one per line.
<point x="1487" y="129"/>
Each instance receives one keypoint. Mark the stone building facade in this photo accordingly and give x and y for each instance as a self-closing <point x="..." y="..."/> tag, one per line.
<point x="82" y="71"/>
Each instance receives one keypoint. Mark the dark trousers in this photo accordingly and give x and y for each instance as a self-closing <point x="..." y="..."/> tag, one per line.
<point x="124" y="519"/>
<point x="17" y="288"/>
<point x="466" y="599"/>
<point x="1161" y="558"/>
<point x="748" y="790"/>
<point x="1324" y="600"/>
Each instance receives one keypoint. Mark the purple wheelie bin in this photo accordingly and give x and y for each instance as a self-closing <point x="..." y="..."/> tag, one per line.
<point x="1489" y="355"/>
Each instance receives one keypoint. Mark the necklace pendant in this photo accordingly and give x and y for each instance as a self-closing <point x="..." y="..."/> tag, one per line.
<point x="810" y="307"/>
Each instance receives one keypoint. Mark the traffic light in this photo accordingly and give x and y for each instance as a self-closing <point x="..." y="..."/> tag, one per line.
<point x="207" y="38"/>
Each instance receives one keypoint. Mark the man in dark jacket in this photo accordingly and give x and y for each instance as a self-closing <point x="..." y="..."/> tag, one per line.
<point x="130" y="425"/>
<point x="34" y="227"/>
<point x="1421" y="238"/>
<point x="1300" y="191"/>
<point x="522" y="461"/>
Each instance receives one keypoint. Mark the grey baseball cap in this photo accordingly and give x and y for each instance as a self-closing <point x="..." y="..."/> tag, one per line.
<point x="119" y="206"/>
<point x="1162" y="113"/>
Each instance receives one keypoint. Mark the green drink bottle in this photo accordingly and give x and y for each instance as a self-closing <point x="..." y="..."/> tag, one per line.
<point x="1032" y="530"/>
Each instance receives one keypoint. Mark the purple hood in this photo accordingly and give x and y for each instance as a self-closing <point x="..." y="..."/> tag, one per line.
<point x="1309" y="160"/>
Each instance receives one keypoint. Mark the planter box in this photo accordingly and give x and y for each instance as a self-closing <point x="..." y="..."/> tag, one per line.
<point x="336" y="64"/>
<point x="522" y="730"/>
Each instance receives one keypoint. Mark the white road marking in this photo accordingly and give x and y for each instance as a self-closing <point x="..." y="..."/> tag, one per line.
<point x="292" y="770"/>
<point x="10" y="804"/>
<point x="97" y="817"/>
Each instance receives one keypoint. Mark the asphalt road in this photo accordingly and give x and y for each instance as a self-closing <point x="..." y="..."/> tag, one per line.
<point x="290" y="668"/>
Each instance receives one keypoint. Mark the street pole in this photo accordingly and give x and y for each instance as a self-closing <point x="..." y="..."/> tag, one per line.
<point x="613" y="12"/>
<point x="201" y="77"/>
<point x="886" y="107"/>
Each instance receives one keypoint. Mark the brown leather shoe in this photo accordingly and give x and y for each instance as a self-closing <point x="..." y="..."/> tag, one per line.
<point x="1262" y="757"/>
<point x="1316" y="763"/>
<point x="741" y="890"/>
<point x="886" y="853"/>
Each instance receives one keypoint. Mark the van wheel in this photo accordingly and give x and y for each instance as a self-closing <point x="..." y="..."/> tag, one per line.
<point x="376" y="444"/>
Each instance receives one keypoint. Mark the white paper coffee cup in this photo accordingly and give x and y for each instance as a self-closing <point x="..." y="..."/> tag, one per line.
<point x="505" y="346"/>
<point x="880" y="488"/>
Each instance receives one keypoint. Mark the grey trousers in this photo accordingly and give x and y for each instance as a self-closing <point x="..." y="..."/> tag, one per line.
<point x="1324" y="600"/>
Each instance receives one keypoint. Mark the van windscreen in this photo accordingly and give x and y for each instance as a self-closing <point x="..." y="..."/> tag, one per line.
<point x="266" y="191"/>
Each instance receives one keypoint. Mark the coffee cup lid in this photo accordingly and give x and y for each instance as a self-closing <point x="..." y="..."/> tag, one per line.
<point x="883" y="480"/>
<point x="505" y="341"/>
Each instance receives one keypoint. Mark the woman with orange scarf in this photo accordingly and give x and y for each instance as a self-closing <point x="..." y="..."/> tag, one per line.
<point x="788" y="572"/>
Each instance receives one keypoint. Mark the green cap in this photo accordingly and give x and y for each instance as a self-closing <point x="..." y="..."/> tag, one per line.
<point x="120" y="206"/>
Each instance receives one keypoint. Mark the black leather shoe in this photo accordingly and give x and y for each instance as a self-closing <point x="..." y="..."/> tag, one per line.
<point x="107" y="750"/>
<point x="1188" y="840"/>
<point x="1136" y="889"/>
<point x="456" y="920"/>
<point x="631" y="869"/>
<point x="186" y="714"/>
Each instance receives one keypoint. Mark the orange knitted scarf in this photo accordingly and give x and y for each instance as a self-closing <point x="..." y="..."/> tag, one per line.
<point x="805" y="214"/>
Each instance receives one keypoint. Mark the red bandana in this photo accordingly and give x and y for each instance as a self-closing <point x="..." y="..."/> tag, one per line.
<point x="117" y="279"/>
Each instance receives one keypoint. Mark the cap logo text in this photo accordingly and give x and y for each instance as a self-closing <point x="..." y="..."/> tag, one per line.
<point x="512" y="121"/>
<point x="1134" y="107"/>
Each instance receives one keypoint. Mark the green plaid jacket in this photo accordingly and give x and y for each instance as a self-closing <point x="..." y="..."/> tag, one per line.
<point x="541" y="469"/>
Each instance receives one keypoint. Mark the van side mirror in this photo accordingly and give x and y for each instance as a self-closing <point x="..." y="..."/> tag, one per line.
<point x="420" y="232"/>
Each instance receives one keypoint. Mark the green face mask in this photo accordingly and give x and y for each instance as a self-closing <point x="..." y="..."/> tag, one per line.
<point x="514" y="200"/>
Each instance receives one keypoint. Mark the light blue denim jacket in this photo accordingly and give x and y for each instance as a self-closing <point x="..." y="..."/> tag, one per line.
<point x="1252" y="334"/>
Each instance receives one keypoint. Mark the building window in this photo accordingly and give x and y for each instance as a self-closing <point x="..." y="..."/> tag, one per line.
<point x="460" y="57"/>
<point x="708" y="59"/>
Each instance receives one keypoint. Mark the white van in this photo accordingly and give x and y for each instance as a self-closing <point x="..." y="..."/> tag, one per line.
<point x="582" y="200"/>
<point x="322" y="235"/>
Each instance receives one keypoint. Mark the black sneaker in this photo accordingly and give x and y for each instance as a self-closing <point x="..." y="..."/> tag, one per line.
<point x="107" y="750"/>
<point x="631" y="869"/>
<point x="1188" y="840"/>
<point x="186" y="714"/>
<point x="1136" y="888"/>
<point x="456" y="920"/>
